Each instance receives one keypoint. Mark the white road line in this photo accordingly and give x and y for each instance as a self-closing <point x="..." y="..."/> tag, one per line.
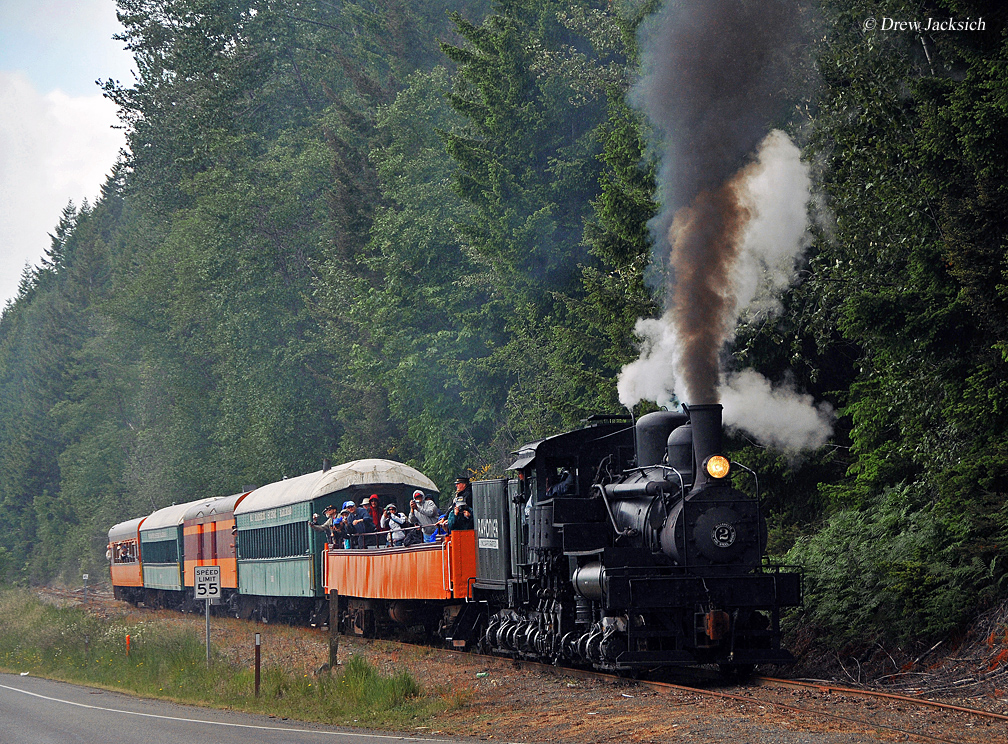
<point x="224" y="723"/>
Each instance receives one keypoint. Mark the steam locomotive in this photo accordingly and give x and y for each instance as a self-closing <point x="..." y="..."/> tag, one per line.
<point x="622" y="546"/>
<point x="628" y="548"/>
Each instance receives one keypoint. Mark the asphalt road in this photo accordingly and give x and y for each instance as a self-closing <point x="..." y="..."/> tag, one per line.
<point x="40" y="711"/>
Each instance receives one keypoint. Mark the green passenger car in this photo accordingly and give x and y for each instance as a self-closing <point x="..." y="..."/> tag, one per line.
<point x="161" y="548"/>
<point x="280" y="556"/>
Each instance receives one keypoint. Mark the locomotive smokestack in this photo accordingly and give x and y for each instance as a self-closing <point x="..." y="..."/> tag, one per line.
<point x="706" y="424"/>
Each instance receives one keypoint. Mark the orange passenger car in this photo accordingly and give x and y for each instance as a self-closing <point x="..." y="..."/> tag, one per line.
<point x="124" y="559"/>
<point x="427" y="583"/>
<point x="209" y="540"/>
<point x="441" y="570"/>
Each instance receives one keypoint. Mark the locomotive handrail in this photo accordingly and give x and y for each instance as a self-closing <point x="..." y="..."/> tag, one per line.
<point x="759" y="508"/>
<point x="752" y="473"/>
<point x="647" y="516"/>
<point x="619" y="533"/>
<point x="682" y="481"/>
<point x="446" y="581"/>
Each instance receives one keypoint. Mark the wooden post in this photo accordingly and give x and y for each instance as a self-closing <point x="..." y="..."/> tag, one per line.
<point x="257" y="665"/>
<point x="333" y="629"/>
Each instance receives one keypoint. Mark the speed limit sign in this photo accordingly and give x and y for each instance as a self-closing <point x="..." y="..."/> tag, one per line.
<point x="206" y="583"/>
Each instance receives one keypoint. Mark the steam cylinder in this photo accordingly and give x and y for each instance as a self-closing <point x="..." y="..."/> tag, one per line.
<point x="651" y="434"/>
<point x="680" y="452"/>
<point x="588" y="579"/>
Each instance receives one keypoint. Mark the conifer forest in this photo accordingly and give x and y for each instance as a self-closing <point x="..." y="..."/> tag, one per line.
<point x="434" y="230"/>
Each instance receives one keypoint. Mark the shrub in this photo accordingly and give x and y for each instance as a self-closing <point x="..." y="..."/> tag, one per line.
<point x="892" y="569"/>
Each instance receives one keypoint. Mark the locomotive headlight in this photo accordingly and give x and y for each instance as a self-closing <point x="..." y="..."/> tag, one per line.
<point x="717" y="466"/>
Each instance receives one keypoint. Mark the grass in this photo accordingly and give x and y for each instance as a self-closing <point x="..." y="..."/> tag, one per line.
<point x="71" y="645"/>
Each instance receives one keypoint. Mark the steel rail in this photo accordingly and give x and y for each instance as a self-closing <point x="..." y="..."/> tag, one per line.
<point x="670" y="686"/>
<point x="798" y="709"/>
<point x="828" y="688"/>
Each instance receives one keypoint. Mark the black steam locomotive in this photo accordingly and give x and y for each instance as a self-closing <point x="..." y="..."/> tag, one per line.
<point x="627" y="547"/>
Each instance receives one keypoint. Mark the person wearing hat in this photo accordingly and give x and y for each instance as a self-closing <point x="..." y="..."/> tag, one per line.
<point x="341" y="527"/>
<point x="424" y="513"/>
<point x="459" y="516"/>
<point x="360" y="523"/>
<point x="393" y="520"/>
<point x="328" y="526"/>
<point x="373" y="509"/>
<point x="463" y="488"/>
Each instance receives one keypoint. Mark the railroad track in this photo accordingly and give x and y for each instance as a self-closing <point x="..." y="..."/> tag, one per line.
<point x="93" y="595"/>
<point x="998" y="721"/>
<point x="855" y="692"/>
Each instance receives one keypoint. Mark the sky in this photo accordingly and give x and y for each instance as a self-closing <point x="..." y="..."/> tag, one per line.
<point x="57" y="137"/>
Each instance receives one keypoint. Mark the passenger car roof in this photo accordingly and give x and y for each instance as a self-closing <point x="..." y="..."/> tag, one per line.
<point x="368" y="472"/>
<point x="219" y="505"/>
<point x="170" y="516"/>
<point x="125" y="530"/>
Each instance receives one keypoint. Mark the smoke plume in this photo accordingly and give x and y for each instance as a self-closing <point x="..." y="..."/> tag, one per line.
<point x="733" y="221"/>
<point x="714" y="75"/>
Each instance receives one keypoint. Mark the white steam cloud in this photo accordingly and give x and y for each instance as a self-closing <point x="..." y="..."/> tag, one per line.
<point x="779" y="417"/>
<point x="775" y="192"/>
<point x="653" y="375"/>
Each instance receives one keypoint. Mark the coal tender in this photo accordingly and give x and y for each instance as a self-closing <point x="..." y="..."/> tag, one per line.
<point x="626" y="546"/>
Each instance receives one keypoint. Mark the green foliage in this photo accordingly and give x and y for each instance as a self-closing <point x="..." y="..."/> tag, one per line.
<point x="526" y="159"/>
<point x="900" y="569"/>
<point x="594" y="336"/>
<point x="6" y="563"/>
<point x="908" y="280"/>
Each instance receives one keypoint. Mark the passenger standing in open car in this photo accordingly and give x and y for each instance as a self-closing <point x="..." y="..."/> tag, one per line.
<point x="342" y="530"/>
<point x="459" y="516"/>
<point x="361" y="524"/>
<point x="374" y="510"/>
<point x="393" y="520"/>
<point x="424" y="512"/>
<point x="327" y="526"/>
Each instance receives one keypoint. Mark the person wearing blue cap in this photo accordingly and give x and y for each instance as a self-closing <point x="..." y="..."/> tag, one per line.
<point x="358" y="523"/>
